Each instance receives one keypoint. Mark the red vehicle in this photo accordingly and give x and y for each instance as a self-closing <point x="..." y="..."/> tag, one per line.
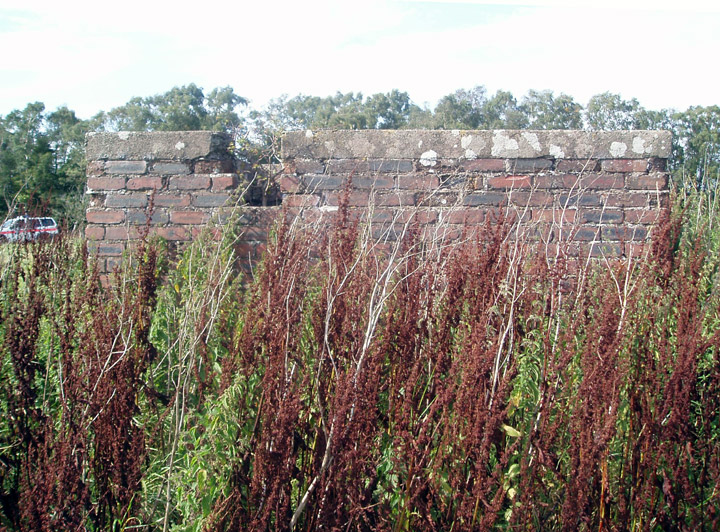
<point x="25" y="228"/>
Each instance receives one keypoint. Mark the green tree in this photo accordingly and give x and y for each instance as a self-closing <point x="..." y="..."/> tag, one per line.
<point x="608" y="111"/>
<point x="179" y="109"/>
<point x="545" y="111"/>
<point x="697" y="144"/>
<point x="463" y="109"/>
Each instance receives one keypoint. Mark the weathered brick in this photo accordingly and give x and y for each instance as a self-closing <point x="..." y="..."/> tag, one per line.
<point x="189" y="217"/>
<point x="314" y="182"/>
<point x="602" y="181"/>
<point x="301" y="200"/>
<point x="534" y="198"/>
<point x="164" y="168"/>
<point x="105" y="248"/>
<point x="373" y="182"/>
<point x="421" y="216"/>
<point x="105" y="217"/>
<point x="356" y="198"/>
<point x="464" y="216"/>
<point x="624" y="165"/>
<point x="95" y="168"/>
<point x="125" y="167"/>
<point x="121" y="232"/>
<point x="141" y="218"/>
<point x="490" y="198"/>
<point x="625" y="233"/>
<point x="558" y="216"/>
<point x="224" y="182"/>
<point x="126" y="200"/>
<point x="395" y="199"/>
<point x="145" y="183"/>
<point x="303" y="166"/>
<point x="555" y="181"/>
<point x="627" y="199"/>
<point x="105" y="183"/>
<point x="642" y="216"/>
<point x="191" y="182"/>
<point x="289" y="184"/>
<point x="418" y="182"/>
<point x="172" y="233"/>
<point x="586" y="234"/>
<point x="171" y="200"/>
<point x="396" y="166"/>
<point x="221" y="166"/>
<point x="647" y="182"/>
<point x="581" y="200"/>
<point x="577" y="165"/>
<point x="210" y="200"/>
<point x="346" y="166"/>
<point x="606" y="216"/>
<point x="509" y="181"/>
<point x="603" y="249"/>
<point x="94" y="232"/>
<point x="483" y="165"/>
<point x="527" y="165"/>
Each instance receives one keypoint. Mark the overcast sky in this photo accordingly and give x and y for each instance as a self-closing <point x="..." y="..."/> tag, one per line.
<point x="93" y="56"/>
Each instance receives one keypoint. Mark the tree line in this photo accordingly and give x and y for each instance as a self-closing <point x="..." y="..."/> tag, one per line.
<point x="42" y="163"/>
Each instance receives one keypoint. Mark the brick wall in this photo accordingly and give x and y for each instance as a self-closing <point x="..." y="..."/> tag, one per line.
<point x="603" y="190"/>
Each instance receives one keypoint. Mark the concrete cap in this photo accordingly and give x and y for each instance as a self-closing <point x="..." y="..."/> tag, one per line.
<point x="157" y="145"/>
<point x="455" y="144"/>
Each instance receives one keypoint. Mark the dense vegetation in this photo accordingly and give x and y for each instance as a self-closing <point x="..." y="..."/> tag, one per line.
<point x="42" y="153"/>
<point x="409" y="385"/>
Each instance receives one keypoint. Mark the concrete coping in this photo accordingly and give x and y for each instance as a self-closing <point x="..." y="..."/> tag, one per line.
<point x="475" y="144"/>
<point x="157" y="145"/>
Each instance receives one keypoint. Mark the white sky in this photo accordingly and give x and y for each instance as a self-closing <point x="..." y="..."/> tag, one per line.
<point x="96" y="55"/>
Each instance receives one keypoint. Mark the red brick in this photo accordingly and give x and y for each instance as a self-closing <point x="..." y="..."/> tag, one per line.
<point x="144" y="183"/>
<point x="172" y="233"/>
<point x="577" y="165"/>
<point x="602" y="216"/>
<point x="642" y="216"/>
<point x="195" y="182"/>
<point x="94" y="232"/>
<point x="121" y="232"/>
<point x="356" y="198"/>
<point x="464" y="216"/>
<point x="397" y="199"/>
<point x="558" y="216"/>
<point x="95" y="168"/>
<point x="648" y="182"/>
<point x="224" y="182"/>
<point x="189" y="217"/>
<point x="535" y="198"/>
<point x="624" y="165"/>
<point x="414" y="182"/>
<point x="301" y="200"/>
<point x="483" y="165"/>
<point x="601" y="181"/>
<point x="105" y="217"/>
<point x="509" y="181"/>
<point x="627" y="199"/>
<point x="289" y="183"/>
<point x="419" y="216"/>
<point x="172" y="200"/>
<point x="106" y="183"/>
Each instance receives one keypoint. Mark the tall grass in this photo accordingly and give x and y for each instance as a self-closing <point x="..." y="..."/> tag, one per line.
<point x="365" y="378"/>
